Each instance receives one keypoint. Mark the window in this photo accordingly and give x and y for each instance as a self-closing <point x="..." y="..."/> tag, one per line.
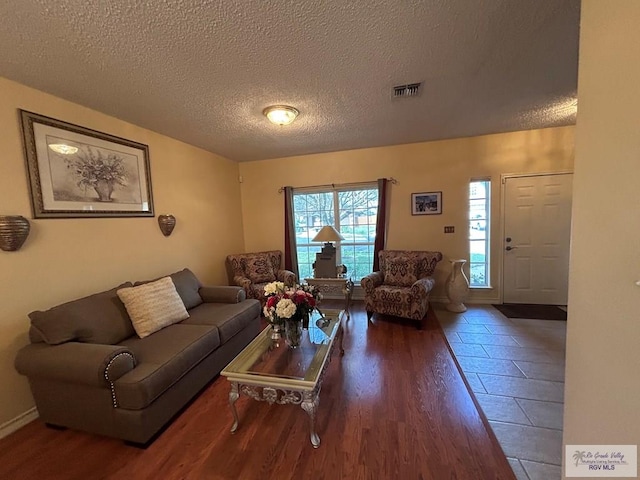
<point x="479" y="206"/>
<point x="351" y="211"/>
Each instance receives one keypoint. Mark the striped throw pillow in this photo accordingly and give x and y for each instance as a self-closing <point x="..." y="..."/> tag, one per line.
<point x="153" y="306"/>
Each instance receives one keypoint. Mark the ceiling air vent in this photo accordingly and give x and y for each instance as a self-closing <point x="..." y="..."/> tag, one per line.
<point x="410" y="90"/>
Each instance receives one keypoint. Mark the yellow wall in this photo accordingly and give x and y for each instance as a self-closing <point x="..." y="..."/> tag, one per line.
<point x="65" y="259"/>
<point x="603" y="352"/>
<point x="445" y="166"/>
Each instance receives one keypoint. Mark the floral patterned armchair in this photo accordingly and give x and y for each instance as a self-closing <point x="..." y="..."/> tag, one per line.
<point x="401" y="288"/>
<point x="252" y="271"/>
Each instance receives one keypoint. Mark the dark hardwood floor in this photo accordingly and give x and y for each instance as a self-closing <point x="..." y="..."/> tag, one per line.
<point x="394" y="407"/>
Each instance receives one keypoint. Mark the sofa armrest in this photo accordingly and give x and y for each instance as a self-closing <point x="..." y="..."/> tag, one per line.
<point x="222" y="294"/>
<point x="371" y="281"/>
<point x="425" y="284"/>
<point x="81" y="363"/>
<point x="287" y="277"/>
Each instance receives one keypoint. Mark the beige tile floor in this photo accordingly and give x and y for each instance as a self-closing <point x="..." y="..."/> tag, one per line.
<point x="515" y="368"/>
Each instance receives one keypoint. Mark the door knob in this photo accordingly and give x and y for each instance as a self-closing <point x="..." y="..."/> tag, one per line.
<point x="509" y="248"/>
<point x="508" y="239"/>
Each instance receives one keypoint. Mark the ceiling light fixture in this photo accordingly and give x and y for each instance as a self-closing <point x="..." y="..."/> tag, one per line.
<point x="281" y="114"/>
<point x="63" y="148"/>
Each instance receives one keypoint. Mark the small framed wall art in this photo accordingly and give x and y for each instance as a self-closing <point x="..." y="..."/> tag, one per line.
<point x="76" y="172"/>
<point x="426" y="203"/>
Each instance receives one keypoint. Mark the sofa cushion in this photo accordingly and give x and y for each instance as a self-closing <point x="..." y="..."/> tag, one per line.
<point x="153" y="306"/>
<point x="99" y="318"/>
<point x="229" y="318"/>
<point x="396" y="301"/>
<point x="162" y="359"/>
<point x="258" y="268"/>
<point x="187" y="286"/>
<point x="400" y="271"/>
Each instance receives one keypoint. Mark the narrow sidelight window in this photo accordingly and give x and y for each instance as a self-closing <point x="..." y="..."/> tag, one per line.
<point x="479" y="208"/>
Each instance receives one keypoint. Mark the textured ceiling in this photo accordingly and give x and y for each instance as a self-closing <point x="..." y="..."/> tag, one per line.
<point x="203" y="71"/>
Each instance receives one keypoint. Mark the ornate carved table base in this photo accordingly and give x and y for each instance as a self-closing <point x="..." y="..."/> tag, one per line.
<point x="269" y="386"/>
<point x="309" y="402"/>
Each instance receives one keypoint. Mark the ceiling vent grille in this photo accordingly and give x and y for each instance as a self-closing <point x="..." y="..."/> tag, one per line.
<point x="409" y="90"/>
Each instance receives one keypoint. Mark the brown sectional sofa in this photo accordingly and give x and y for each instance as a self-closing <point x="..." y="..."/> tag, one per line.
<point x="88" y="370"/>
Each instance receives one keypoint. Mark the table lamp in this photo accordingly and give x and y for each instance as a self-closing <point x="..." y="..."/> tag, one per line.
<point x="325" y="264"/>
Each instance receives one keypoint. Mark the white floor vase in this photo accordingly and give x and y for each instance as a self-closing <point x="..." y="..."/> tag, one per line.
<point x="457" y="287"/>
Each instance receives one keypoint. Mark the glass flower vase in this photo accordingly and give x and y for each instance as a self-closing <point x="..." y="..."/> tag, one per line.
<point x="293" y="332"/>
<point x="276" y="328"/>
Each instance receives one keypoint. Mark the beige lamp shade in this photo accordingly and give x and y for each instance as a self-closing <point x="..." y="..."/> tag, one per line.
<point x="328" y="234"/>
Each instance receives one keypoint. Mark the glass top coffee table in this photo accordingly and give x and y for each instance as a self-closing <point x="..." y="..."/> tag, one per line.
<point x="268" y="370"/>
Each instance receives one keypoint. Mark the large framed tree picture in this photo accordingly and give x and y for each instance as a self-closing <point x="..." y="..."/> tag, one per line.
<point x="77" y="172"/>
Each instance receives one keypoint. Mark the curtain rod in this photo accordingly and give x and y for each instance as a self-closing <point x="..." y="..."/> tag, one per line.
<point x="334" y="185"/>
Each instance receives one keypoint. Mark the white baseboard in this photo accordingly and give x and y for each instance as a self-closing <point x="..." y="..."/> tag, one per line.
<point x="437" y="299"/>
<point x="20" y="421"/>
<point x="469" y="301"/>
<point x="482" y="301"/>
<point x="358" y="294"/>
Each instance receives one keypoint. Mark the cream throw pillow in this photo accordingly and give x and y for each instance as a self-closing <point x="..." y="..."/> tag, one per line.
<point x="153" y="306"/>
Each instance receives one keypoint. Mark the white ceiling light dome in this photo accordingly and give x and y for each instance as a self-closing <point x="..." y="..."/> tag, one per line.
<point x="281" y="114"/>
